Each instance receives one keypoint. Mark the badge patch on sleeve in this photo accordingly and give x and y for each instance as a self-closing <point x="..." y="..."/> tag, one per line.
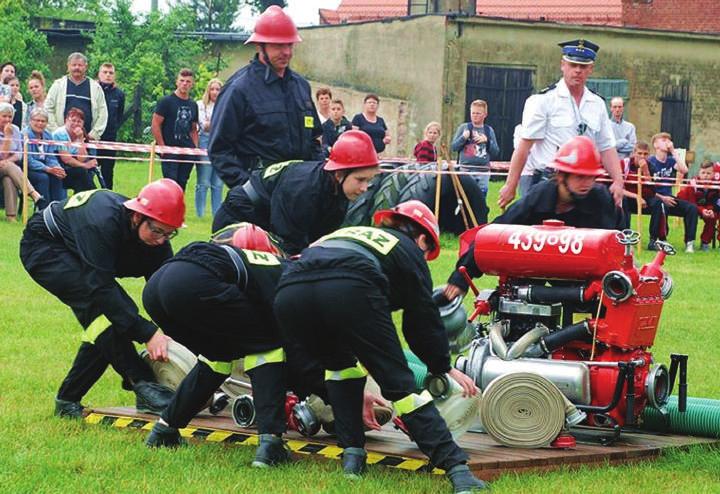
<point x="309" y="122"/>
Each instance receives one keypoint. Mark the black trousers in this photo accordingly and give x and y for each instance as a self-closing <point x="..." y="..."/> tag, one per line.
<point x="654" y="208"/>
<point x="686" y="211"/>
<point x="217" y="320"/>
<point x="341" y="321"/>
<point x="62" y="273"/>
<point x="78" y="179"/>
<point x="106" y="159"/>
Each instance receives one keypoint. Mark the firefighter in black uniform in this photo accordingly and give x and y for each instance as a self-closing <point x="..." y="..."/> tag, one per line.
<point x="572" y="197"/>
<point x="216" y="299"/>
<point x="300" y="201"/>
<point x="265" y="113"/>
<point x="337" y="301"/>
<point x="76" y="249"/>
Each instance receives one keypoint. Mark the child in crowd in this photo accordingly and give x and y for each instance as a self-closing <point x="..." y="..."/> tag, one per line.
<point x="475" y="143"/>
<point x="706" y="200"/>
<point x="649" y="203"/>
<point x="664" y="166"/>
<point x="425" y="151"/>
<point x="334" y="126"/>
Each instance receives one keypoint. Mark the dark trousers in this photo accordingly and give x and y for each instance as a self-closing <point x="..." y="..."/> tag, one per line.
<point x="217" y="320"/>
<point x="78" y="179"/>
<point x="106" y="159"/>
<point x="341" y="321"/>
<point x="63" y="274"/>
<point x="653" y="208"/>
<point x="686" y="211"/>
<point x="179" y="171"/>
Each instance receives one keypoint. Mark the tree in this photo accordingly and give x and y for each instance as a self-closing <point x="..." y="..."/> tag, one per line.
<point x="214" y="15"/>
<point x="147" y="51"/>
<point x="24" y="46"/>
<point x="260" y="5"/>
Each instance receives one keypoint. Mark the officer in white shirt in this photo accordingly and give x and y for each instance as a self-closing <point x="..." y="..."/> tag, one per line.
<point x="556" y="115"/>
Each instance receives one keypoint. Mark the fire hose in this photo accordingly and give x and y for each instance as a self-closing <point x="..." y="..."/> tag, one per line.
<point x="702" y="418"/>
<point x="525" y="410"/>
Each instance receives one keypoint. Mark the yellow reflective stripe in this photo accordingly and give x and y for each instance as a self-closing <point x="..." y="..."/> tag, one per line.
<point x="277" y="167"/>
<point x="218" y="367"/>
<point x="412" y="402"/>
<point x="357" y="372"/>
<point x="271" y="357"/>
<point x="378" y="240"/>
<point x="100" y="324"/>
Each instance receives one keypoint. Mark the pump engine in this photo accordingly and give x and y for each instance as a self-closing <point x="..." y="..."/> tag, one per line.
<point x="571" y="305"/>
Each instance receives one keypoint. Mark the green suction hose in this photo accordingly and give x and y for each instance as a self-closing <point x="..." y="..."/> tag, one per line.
<point x="702" y="418"/>
<point x="417" y="367"/>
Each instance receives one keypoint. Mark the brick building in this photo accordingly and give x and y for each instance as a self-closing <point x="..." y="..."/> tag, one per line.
<point x="702" y="16"/>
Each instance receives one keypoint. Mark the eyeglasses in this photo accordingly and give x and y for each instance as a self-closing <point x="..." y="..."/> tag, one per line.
<point x="159" y="232"/>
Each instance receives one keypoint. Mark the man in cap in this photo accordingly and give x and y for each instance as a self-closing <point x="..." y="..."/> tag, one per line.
<point x="265" y="113"/>
<point x="556" y="115"/>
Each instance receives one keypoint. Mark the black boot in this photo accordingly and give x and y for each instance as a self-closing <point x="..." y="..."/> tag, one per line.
<point x="270" y="452"/>
<point x="354" y="461"/>
<point x="430" y="432"/>
<point x="164" y="436"/>
<point x="463" y="481"/>
<point x="151" y="397"/>
<point x="68" y="409"/>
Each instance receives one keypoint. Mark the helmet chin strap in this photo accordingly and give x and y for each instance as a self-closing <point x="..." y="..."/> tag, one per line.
<point x="268" y="63"/>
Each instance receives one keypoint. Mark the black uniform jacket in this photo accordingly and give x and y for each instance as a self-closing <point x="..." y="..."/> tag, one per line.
<point x="596" y="210"/>
<point x="260" y="119"/>
<point x="299" y="202"/>
<point x="403" y="277"/>
<point x="95" y="226"/>
<point x="259" y="274"/>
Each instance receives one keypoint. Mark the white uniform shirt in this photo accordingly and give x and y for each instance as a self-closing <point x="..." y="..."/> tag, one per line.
<point x="554" y="118"/>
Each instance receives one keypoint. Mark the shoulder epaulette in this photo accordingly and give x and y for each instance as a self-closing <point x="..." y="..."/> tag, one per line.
<point x="549" y="88"/>
<point x="596" y="93"/>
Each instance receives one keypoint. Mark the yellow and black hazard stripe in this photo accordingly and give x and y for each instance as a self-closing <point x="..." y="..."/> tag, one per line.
<point x="231" y="437"/>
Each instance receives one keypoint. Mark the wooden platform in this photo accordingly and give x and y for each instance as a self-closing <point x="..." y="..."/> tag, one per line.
<point x="392" y="448"/>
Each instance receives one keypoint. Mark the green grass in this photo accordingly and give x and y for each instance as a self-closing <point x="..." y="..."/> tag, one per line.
<point x="39" y="453"/>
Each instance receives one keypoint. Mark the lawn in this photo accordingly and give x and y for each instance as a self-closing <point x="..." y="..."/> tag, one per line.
<point x="40" y="453"/>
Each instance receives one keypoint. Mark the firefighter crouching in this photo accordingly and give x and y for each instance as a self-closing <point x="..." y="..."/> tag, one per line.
<point x="300" y="201"/>
<point x="337" y="301"/>
<point x="75" y="249"/>
<point x="216" y="299"/>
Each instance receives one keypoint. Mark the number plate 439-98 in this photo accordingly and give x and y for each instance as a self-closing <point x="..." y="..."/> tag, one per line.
<point x="538" y="241"/>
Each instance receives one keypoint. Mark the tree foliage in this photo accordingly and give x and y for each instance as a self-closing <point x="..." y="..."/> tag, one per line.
<point x="214" y="15"/>
<point x="23" y="45"/>
<point x="147" y="51"/>
<point x="260" y="5"/>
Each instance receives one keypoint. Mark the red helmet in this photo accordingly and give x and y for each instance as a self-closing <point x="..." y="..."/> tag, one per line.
<point x="353" y="149"/>
<point x="420" y="214"/>
<point x="274" y="26"/>
<point x="578" y="156"/>
<point x="252" y="237"/>
<point x="162" y="200"/>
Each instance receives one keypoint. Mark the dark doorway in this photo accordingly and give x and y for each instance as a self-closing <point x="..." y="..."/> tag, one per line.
<point x="505" y="90"/>
<point x="677" y="113"/>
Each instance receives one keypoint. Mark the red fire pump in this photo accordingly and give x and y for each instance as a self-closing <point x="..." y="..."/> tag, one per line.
<point x="572" y="306"/>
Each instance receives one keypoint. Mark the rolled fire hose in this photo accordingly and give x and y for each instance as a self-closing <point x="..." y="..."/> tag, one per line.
<point x="523" y="410"/>
<point x="702" y="418"/>
<point x="179" y="364"/>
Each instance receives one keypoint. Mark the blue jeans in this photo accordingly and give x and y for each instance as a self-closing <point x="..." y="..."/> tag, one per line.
<point x="207" y="177"/>
<point x="49" y="186"/>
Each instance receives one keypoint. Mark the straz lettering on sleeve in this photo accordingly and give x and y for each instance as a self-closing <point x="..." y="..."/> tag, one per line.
<point x="538" y="241"/>
<point x="379" y="240"/>
<point x="278" y="167"/>
<point x="79" y="199"/>
<point x="261" y="258"/>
